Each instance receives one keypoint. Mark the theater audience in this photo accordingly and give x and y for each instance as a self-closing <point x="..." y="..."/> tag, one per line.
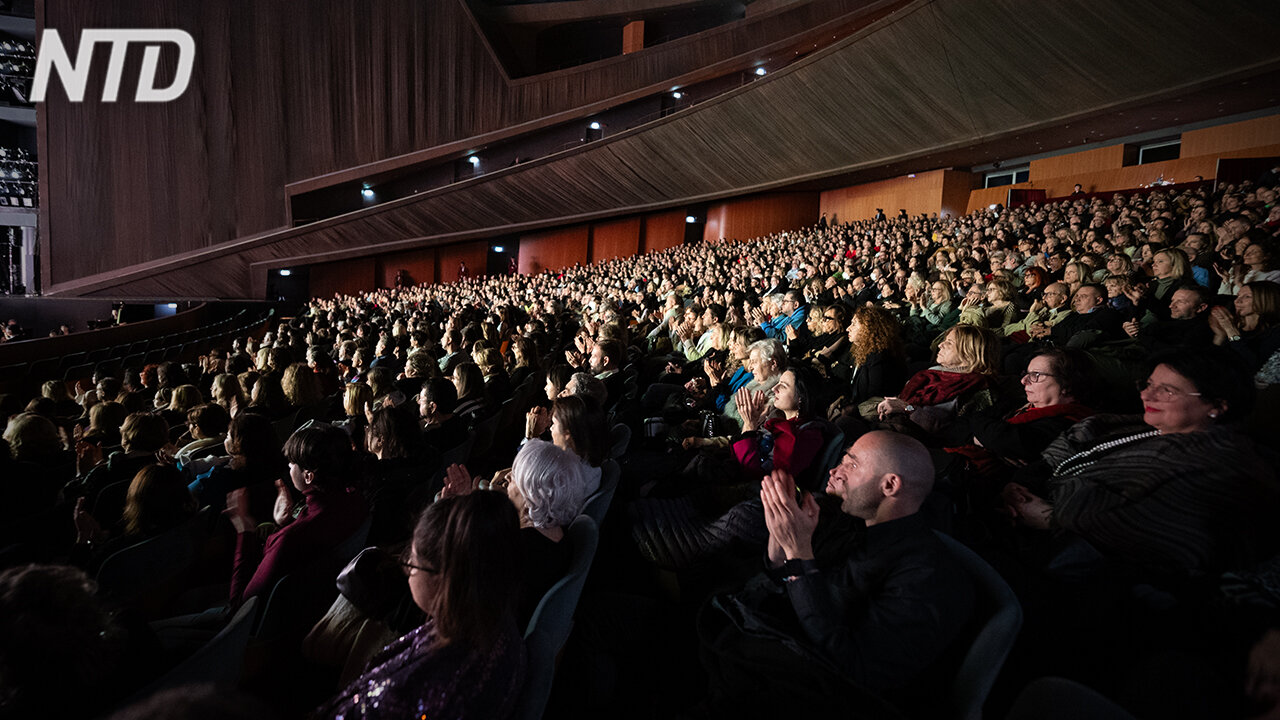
<point x="1167" y="500"/>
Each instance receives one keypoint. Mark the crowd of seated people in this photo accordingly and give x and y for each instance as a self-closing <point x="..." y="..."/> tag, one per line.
<point x="1070" y="389"/>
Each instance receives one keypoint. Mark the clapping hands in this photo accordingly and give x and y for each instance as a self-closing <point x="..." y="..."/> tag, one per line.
<point x="791" y="524"/>
<point x="537" y="421"/>
<point x="457" y="482"/>
<point x="751" y="406"/>
<point x="1222" y="323"/>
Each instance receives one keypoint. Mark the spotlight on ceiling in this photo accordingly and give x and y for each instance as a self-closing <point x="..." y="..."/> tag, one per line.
<point x="367" y="192"/>
<point x="285" y="272"/>
<point x="594" y="126"/>
<point x="760" y="71"/>
<point x="677" y="94"/>
<point x="474" y="160"/>
<point x="499" y="248"/>
<point x="690" y="219"/>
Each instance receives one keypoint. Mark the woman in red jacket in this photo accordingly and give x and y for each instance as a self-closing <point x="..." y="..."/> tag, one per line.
<point x="790" y="442"/>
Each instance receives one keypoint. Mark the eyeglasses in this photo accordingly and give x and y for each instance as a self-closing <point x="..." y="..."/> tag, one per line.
<point x="1164" y="393"/>
<point x="1034" y="377"/>
<point x="409" y="567"/>
<point x="1051" y="292"/>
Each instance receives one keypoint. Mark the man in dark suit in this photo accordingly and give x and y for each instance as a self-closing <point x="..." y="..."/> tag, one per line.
<point x="1091" y="315"/>
<point x="1187" y="326"/>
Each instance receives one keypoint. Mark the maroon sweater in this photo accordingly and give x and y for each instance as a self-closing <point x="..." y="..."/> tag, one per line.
<point x="328" y="519"/>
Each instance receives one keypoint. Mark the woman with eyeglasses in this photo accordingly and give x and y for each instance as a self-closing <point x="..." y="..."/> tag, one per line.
<point x="1034" y="281"/>
<point x="468" y="658"/>
<point x="826" y="339"/>
<point x="1058" y="383"/>
<point x="1174" y="493"/>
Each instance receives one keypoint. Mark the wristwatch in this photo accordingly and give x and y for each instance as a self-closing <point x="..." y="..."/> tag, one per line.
<point x="1233" y="338"/>
<point x="794" y="569"/>
<point x="910" y="408"/>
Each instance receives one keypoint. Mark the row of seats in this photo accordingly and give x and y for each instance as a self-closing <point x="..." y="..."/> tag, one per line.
<point x="136" y="355"/>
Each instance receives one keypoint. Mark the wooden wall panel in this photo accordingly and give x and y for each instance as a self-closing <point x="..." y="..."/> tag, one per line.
<point x="619" y="238"/>
<point x="1102" y="169"/>
<point x="956" y="186"/>
<point x="1238" y="136"/>
<point x="919" y="194"/>
<point x="985" y="197"/>
<point x="554" y="249"/>
<point x="474" y="254"/>
<point x="420" y="264"/>
<point x="345" y="277"/>
<point x="1078" y="163"/>
<point x="760" y="215"/>
<point x="662" y="231"/>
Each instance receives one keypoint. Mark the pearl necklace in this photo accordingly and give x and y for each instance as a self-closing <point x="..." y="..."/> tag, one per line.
<point x="1059" y="472"/>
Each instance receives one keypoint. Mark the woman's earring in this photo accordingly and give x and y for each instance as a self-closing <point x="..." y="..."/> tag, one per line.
<point x="1213" y="413"/>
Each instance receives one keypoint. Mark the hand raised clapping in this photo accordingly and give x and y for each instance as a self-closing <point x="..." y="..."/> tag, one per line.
<point x="457" y="482"/>
<point x="751" y="406"/>
<point x="537" y="421"/>
<point x="790" y="524"/>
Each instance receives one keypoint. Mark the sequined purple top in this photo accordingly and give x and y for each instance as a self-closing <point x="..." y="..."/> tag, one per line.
<point x="410" y="679"/>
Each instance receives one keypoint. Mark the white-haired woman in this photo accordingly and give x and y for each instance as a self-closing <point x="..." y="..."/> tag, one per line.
<point x="766" y="359"/>
<point x="549" y="488"/>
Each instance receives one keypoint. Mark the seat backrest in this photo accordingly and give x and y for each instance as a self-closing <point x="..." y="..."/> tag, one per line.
<point x="619" y="439"/>
<point x="108" y="505"/>
<point x="814" y="477"/>
<point x="137" y="571"/>
<point x="999" y="619"/>
<point x="300" y="598"/>
<point x="553" y="619"/>
<point x="482" y="437"/>
<point x="597" y="506"/>
<point x="219" y="661"/>
<point x="352" y="546"/>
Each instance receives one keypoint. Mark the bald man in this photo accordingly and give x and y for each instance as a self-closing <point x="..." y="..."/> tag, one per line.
<point x="851" y="632"/>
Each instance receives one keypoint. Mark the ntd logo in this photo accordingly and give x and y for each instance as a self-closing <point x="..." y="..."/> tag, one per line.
<point x="53" y="56"/>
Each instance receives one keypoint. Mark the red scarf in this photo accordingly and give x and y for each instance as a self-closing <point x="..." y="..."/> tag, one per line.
<point x="983" y="463"/>
<point x="931" y="387"/>
<point x="1075" y="412"/>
